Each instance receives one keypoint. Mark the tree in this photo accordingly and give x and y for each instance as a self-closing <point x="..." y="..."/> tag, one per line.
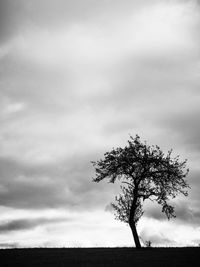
<point x="145" y="173"/>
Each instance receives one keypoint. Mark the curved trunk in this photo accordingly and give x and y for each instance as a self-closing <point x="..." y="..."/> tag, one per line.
<point x="135" y="235"/>
<point x="132" y="219"/>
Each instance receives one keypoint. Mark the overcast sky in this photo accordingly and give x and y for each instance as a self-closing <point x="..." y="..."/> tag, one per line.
<point x="76" y="78"/>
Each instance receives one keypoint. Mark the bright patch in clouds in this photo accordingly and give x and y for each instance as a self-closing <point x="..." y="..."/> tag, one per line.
<point x="158" y="28"/>
<point x="76" y="78"/>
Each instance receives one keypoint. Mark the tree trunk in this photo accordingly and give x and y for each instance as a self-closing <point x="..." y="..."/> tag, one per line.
<point x="135" y="235"/>
<point x="132" y="218"/>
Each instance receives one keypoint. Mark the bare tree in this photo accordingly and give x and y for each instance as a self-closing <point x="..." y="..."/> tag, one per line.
<point x="145" y="172"/>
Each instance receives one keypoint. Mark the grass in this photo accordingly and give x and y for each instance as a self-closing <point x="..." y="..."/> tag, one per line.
<point x="105" y="257"/>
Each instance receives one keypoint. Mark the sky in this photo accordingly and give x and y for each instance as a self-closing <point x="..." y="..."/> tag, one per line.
<point x="76" y="79"/>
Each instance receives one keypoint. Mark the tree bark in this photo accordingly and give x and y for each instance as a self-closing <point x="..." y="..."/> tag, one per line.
<point x="135" y="235"/>
<point x="132" y="217"/>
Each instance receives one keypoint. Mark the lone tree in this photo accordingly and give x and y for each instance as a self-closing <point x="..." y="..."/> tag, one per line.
<point x="145" y="173"/>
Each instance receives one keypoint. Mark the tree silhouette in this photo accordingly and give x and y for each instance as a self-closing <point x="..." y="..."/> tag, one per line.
<point x="145" y="173"/>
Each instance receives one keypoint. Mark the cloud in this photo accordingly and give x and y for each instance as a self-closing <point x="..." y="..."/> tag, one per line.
<point x="166" y="233"/>
<point x="184" y="125"/>
<point x="9" y="244"/>
<point x="186" y="210"/>
<point x="121" y="86"/>
<point x="26" y="224"/>
<point x="156" y="239"/>
<point x="20" y="16"/>
<point x="67" y="184"/>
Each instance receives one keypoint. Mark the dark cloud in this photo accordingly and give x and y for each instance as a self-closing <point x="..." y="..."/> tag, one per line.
<point x="186" y="208"/>
<point x="184" y="125"/>
<point x="68" y="185"/>
<point x="194" y="181"/>
<point x="183" y="212"/>
<point x="26" y="224"/>
<point x="187" y="212"/>
<point x="14" y="18"/>
<point x="20" y="15"/>
<point x="23" y="187"/>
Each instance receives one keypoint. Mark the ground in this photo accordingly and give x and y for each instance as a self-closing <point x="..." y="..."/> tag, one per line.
<point x="105" y="257"/>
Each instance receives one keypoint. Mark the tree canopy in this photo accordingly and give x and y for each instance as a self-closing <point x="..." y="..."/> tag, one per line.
<point x="145" y="172"/>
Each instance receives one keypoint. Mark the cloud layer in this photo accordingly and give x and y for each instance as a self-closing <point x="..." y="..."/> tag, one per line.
<point x="76" y="78"/>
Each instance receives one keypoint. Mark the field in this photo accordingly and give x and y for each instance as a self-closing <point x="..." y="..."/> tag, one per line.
<point x="92" y="257"/>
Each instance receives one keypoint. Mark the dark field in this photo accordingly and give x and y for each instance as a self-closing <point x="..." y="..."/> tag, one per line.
<point x="101" y="257"/>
